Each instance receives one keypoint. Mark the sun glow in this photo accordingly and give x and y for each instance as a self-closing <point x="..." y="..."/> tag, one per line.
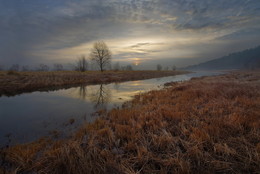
<point x="136" y="61"/>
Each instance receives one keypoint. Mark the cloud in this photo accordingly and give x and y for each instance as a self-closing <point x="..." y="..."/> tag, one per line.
<point x="242" y="34"/>
<point x="139" y="45"/>
<point x="38" y="31"/>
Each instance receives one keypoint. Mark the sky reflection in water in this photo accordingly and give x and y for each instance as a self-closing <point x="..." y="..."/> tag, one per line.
<point x="30" y="116"/>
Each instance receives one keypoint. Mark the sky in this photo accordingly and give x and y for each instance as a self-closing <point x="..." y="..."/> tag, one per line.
<point x="142" y="33"/>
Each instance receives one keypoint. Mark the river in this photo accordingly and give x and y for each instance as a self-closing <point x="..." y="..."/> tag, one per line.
<point x="29" y="116"/>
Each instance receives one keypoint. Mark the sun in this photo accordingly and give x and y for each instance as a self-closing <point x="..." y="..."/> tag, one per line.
<point x="136" y="63"/>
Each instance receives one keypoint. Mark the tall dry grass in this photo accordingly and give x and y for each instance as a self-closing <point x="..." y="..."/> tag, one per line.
<point x="12" y="83"/>
<point x="206" y="125"/>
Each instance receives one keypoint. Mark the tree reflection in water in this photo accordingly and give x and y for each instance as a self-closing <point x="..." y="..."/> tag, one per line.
<point x="83" y="92"/>
<point x="117" y="86"/>
<point x="99" y="95"/>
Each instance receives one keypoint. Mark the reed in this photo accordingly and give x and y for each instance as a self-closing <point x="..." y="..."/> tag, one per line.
<point x="206" y="125"/>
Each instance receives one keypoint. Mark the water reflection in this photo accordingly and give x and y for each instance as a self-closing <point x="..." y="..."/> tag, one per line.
<point x="117" y="86"/>
<point x="100" y="96"/>
<point x="83" y="92"/>
<point x="29" y="116"/>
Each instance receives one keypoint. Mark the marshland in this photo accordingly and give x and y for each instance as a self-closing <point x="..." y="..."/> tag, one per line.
<point x="15" y="82"/>
<point x="129" y="87"/>
<point x="29" y="116"/>
<point x="204" y="125"/>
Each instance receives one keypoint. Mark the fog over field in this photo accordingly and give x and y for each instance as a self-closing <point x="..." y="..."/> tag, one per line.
<point x="138" y="32"/>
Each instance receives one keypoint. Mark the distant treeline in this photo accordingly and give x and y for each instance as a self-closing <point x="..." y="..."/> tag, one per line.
<point x="99" y="59"/>
<point x="81" y="64"/>
<point x="67" y="67"/>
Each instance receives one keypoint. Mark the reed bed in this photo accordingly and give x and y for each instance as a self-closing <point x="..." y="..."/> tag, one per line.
<point x="205" y="125"/>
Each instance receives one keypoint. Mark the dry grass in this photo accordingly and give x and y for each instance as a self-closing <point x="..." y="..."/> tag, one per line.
<point x="12" y="82"/>
<point x="206" y="125"/>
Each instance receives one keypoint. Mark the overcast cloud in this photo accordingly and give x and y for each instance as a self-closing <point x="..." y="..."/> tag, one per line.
<point x="143" y="32"/>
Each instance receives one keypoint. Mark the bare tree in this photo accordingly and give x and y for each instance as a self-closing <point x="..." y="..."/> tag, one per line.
<point x="101" y="55"/>
<point x="57" y="67"/>
<point x="25" y="68"/>
<point x="129" y="68"/>
<point x="1" y="67"/>
<point x="123" y="68"/>
<point x="173" y="67"/>
<point x="82" y="64"/>
<point x="42" y="67"/>
<point x="116" y="66"/>
<point x="15" y="67"/>
<point x="159" y="67"/>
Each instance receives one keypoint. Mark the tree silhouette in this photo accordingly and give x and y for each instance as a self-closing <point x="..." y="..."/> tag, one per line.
<point x="129" y="68"/>
<point x="25" y="68"/>
<point x="42" y="67"/>
<point x="15" y="67"/>
<point x="57" y="67"/>
<point x="116" y="66"/>
<point x="101" y="55"/>
<point x="81" y="64"/>
<point x="159" y="67"/>
<point x="1" y="67"/>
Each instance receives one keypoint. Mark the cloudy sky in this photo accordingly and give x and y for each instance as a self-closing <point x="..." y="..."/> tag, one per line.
<point x="138" y="32"/>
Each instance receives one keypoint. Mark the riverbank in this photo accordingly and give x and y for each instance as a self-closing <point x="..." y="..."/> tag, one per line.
<point x="12" y="83"/>
<point x="205" y="125"/>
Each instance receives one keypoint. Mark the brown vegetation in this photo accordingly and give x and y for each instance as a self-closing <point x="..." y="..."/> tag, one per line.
<point x="13" y="82"/>
<point x="206" y="125"/>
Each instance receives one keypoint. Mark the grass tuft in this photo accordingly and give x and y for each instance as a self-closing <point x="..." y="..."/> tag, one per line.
<point x="206" y="125"/>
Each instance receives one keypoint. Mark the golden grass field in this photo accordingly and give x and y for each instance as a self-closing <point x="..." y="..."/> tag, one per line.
<point x="12" y="83"/>
<point x="205" y="125"/>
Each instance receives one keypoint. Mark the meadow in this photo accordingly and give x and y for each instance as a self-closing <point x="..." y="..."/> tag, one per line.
<point x="12" y="82"/>
<point x="205" y="125"/>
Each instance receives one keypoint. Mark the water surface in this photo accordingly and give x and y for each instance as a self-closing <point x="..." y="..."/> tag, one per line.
<point x="29" y="116"/>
